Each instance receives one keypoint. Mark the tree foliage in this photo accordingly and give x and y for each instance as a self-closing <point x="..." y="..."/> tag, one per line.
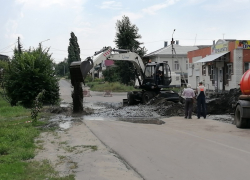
<point x="73" y="50"/>
<point x="62" y="68"/>
<point x="111" y="75"/>
<point x="29" y="73"/>
<point x="127" y="38"/>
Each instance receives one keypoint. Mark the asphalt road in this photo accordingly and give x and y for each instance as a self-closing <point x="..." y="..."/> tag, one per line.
<point x="181" y="149"/>
<point x="65" y="93"/>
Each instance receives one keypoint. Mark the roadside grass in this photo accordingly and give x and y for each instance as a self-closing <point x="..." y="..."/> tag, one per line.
<point x="99" y="85"/>
<point x="17" y="146"/>
<point x="114" y="87"/>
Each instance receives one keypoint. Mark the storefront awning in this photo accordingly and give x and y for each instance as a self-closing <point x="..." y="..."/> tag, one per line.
<point x="211" y="57"/>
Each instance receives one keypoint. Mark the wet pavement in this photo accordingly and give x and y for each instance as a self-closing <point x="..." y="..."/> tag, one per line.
<point x="97" y="106"/>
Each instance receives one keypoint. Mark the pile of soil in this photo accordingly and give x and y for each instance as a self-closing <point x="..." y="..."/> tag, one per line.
<point x="217" y="103"/>
<point x="221" y="103"/>
<point x="167" y="108"/>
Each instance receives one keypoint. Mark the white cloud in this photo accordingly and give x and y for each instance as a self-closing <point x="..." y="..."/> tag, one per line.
<point x="228" y="5"/>
<point x="111" y="5"/>
<point x="132" y="16"/>
<point x="157" y="7"/>
<point x="212" y="29"/>
<point x="11" y="25"/>
<point x="48" y="3"/>
<point x="14" y="36"/>
<point x="21" y="15"/>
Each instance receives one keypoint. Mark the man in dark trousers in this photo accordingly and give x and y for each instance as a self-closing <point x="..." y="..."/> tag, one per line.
<point x="189" y="95"/>
<point x="201" y="101"/>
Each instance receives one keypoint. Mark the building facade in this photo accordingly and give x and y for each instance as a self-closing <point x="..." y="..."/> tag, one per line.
<point x="176" y="57"/>
<point x="220" y="66"/>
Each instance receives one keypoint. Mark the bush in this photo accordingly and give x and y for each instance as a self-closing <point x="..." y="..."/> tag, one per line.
<point x="30" y="72"/>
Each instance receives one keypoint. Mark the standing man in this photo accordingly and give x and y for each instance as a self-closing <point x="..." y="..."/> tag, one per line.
<point x="189" y="95"/>
<point x="201" y="101"/>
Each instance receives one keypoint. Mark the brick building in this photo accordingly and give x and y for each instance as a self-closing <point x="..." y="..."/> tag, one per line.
<point x="220" y="66"/>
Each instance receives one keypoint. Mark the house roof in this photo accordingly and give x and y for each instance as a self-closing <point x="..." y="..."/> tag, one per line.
<point x="168" y="50"/>
<point x="3" y="57"/>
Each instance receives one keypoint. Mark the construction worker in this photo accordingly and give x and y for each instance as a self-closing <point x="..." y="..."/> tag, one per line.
<point x="158" y="77"/>
<point x="201" y="101"/>
<point x="189" y="95"/>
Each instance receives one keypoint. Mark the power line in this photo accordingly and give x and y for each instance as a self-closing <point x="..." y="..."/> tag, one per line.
<point x="5" y="48"/>
<point x="6" y="51"/>
<point x="179" y="39"/>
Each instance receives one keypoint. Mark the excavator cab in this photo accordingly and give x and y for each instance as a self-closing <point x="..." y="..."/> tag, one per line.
<point x="156" y="75"/>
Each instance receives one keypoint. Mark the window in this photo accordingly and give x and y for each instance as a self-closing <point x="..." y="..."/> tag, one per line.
<point x="176" y="65"/>
<point x="177" y="78"/>
<point x="246" y="66"/>
<point x="204" y="70"/>
<point x="229" y="71"/>
<point x="211" y="73"/>
<point x="186" y="64"/>
<point x="149" y="71"/>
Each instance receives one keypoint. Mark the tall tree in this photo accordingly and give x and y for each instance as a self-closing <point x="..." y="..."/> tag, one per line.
<point x="74" y="55"/>
<point x="127" y="38"/>
<point x="73" y="49"/>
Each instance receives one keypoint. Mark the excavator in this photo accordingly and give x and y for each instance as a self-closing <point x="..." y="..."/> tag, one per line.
<point x="151" y="78"/>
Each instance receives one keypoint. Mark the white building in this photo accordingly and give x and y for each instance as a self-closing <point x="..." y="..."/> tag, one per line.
<point x="176" y="57"/>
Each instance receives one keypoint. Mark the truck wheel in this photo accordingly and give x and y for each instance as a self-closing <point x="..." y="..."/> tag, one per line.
<point x="147" y="96"/>
<point x="130" y="97"/>
<point x="239" y="121"/>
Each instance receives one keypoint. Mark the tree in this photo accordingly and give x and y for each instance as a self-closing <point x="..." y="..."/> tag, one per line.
<point x="62" y="68"/>
<point x="73" y="49"/>
<point x="29" y="73"/>
<point x="127" y="38"/>
<point x="74" y="55"/>
<point x="110" y="75"/>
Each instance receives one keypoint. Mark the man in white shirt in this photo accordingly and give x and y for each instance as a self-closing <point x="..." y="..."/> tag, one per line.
<point x="189" y="95"/>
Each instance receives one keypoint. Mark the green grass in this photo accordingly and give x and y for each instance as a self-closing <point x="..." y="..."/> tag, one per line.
<point x="114" y="87"/>
<point x="17" y="146"/>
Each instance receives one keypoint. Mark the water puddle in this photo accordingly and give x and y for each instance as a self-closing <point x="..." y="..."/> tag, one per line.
<point x="91" y="118"/>
<point x="65" y="125"/>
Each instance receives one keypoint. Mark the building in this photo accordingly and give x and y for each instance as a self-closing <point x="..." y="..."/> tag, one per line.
<point x="4" y="57"/>
<point x="219" y="66"/>
<point x="176" y="57"/>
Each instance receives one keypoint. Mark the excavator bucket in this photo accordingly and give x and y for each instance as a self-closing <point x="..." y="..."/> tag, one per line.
<point x="75" y="72"/>
<point x="86" y="66"/>
<point x="79" y="70"/>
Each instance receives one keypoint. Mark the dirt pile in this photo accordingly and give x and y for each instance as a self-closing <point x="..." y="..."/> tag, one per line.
<point x="167" y="108"/>
<point x="217" y="103"/>
<point x="221" y="103"/>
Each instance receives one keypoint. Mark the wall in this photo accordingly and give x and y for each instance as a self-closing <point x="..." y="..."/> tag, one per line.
<point x="170" y="60"/>
<point x="200" y="52"/>
<point x="246" y="55"/>
<point x="237" y="69"/>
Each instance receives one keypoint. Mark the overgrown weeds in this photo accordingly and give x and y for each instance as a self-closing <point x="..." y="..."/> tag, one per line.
<point x="17" y="146"/>
<point x="114" y="87"/>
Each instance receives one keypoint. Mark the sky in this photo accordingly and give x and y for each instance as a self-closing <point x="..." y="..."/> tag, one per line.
<point x="50" y="22"/>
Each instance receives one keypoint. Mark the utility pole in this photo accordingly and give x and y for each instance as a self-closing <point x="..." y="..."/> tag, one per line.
<point x="174" y="53"/>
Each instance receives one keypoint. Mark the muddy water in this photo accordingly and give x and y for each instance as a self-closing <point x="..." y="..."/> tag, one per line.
<point x="109" y="111"/>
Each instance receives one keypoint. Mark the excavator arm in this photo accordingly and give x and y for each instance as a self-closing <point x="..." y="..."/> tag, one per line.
<point x="106" y="53"/>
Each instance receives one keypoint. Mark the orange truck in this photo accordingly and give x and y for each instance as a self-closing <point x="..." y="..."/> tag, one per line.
<point x="242" y="107"/>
